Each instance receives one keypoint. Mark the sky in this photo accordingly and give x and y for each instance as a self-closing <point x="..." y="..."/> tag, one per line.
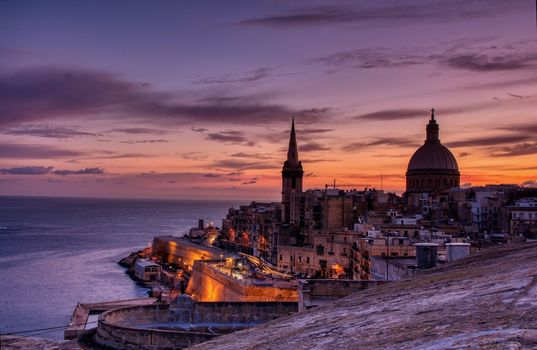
<point x="194" y="99"/>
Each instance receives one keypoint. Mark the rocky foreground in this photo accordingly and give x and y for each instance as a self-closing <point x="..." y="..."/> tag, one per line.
<point x="32" y="343"/>
<point x="486" y="301"/>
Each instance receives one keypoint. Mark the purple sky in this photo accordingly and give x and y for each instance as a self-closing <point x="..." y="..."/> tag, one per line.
<point x="194" y="99"/>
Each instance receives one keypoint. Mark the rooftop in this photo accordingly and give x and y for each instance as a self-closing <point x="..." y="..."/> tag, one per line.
<point x="146" y="263"/>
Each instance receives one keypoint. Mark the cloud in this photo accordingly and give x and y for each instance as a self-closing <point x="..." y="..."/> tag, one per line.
<point x="121" y="155"/>
<point x="312" y="131"/>
<point x="86" y="171"/>
<point x="255" y="75"/>
<point x="302" y="134"/>
<point x="212" y="175"/>
<point x="530" y="81"/>
<point x="238" y="165"/>
<point x="380" y="141"/>
<point x="46" y="93"/>
<point x="230" y="137"/>
<point x="235" y="173"/>
<point x="521" y="149"/>
<point x="466" y="185"/>
<point x="251" y="155"/>
<point x="380" y="57"/>
<point x="392" y="114"/>
<point x="34" y="151"/>
<point x="27" y="170"/>
<point x="145" y="141"/>
<point x="515" y="56"/>
<point x="483" y="62"/>
<point x="138" y="131"/>
<point x="517" y="96"/>
<point x="312" y="147"/>
<point x="41" y="170"/>
<point x="197" y="156"/>
<point x="464" y="154"/>
<point x="251" y="182"/>
<point x="318" y="160"/>
<point x="529" y="183"/>
<point x="201" y="130"/>
<point x="310" y="175"/>
<point x="527" y="128"/>
<point x="421" y="113"/>
<point x="56" y="132"/>
<point x="487" y="141"/>
<point x="363" y="13"/>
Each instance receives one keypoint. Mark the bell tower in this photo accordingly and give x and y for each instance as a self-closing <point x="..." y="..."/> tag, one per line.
<point x="292" y="175"/>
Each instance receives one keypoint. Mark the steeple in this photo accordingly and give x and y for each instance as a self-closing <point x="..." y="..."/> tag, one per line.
<point x="292" y="175"/>
<point x="292" y="153"/>
<point x="433" y="129"/>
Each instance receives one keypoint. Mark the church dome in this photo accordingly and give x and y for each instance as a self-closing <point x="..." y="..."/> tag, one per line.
<point x="432" y="167"/>
<point x="433" y="156"/>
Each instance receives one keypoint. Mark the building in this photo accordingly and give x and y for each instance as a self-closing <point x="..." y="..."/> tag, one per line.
<point x="147" y="270"/>
<point x="328" y="256"/>
<point x="524" y="218"/>
<point x="432" y="167"/>
<point x="292" y="175"/>
<point x="382" y="258"/>
<point x="252" y="229"/>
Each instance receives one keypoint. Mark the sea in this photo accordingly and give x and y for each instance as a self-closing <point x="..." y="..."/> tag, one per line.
<point x="56" y="252"/>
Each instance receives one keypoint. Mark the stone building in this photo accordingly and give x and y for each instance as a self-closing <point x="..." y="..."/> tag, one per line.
<point x="292" y="175"/>
<point x="327" y="257"/>
<point x="252" y="229"/>
<point x="432" y="167"/>
<point x="524" y="218"/>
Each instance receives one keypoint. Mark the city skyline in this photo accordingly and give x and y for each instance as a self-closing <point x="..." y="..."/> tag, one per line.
<point x="186" y="100"/>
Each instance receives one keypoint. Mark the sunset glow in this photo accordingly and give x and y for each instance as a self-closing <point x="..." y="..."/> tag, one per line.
<point x="192" y="101"/>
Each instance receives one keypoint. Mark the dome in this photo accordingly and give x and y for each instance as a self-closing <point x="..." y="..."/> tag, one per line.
<point x="433" y="155"/>
<point x="432" y="167"/>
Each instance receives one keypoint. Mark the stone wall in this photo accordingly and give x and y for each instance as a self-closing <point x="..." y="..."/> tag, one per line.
<point x="182" y="252"/>
<point x="137" y="327"/>
<point x="313" y="292"/>
<point x="208" y="284"/>
<point x="119" y="329"/>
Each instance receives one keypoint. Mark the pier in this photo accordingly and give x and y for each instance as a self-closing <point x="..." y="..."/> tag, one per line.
<point x="80" y="316"/>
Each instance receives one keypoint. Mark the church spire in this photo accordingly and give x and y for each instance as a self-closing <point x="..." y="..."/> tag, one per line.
<point x="292" y="152"/>
<point x="292" y="175"/>
<point x="433" y="129"/>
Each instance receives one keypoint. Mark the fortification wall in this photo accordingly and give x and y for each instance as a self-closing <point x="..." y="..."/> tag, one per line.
<point x="310" y="292"/>
<point x="179" y="251"/>
<point x="136" y="327"/>
<point x="207" y="284"/>
<point x="121" y="329"/>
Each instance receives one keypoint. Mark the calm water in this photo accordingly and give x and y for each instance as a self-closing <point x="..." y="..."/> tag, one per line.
<point x="55" y="252"/>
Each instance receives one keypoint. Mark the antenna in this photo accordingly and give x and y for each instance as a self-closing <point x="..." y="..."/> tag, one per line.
<point x="381" y="184"/>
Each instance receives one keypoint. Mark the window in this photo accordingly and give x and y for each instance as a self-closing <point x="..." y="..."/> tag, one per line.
<point x="281" y="257"/>
<point x="307" y="259"/>
<point x="299" y="259"/>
